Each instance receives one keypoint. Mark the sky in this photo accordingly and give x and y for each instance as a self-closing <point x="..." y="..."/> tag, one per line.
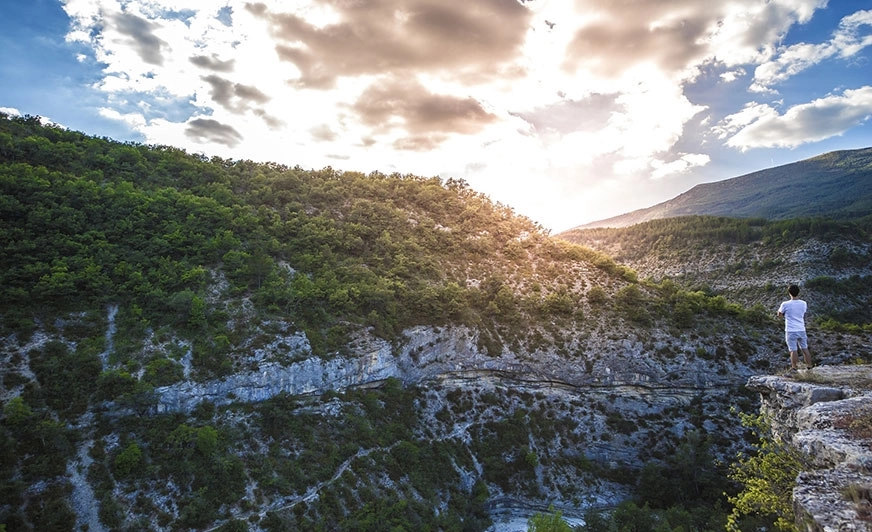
<point x="568" y="111"/>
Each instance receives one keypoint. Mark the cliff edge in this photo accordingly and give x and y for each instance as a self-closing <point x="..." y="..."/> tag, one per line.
<point x="826" y="413"/>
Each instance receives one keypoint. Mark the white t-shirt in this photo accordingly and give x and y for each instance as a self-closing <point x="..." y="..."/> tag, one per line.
<point x="794" y="312"/>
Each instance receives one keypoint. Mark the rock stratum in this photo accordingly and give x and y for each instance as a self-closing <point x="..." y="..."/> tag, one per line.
<point x="436" y="354"/>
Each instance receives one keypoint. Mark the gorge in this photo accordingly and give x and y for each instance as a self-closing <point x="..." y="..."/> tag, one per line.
<point x="205" y="344"/>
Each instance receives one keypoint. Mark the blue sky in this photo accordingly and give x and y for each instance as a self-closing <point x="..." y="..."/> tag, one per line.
<point x="568" y="111"/>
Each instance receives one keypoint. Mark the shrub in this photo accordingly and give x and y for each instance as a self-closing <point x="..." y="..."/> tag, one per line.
<point x="767" y="478"/>
<point x="129" y="460"/>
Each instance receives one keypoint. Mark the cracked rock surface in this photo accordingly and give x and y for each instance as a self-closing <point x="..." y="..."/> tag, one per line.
<point x="826" y="413"/>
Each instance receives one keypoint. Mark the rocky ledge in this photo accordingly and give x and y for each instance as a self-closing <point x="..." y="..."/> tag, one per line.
<point x="826" y="413"/>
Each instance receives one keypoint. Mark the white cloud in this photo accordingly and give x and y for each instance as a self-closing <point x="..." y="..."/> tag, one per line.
<point x="847" y="41"/>
<point x="732" y="75"/>
<point x="134" y="121"/>
<point x="747" y="32"/>
<point x="759" y="125"/>
<point x="683" y="164"/>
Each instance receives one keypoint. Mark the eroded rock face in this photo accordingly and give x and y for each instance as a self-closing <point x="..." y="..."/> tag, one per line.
<point x="814" y="411"/>
<point x="427" y="353"/>
<point x="431" y="353"/>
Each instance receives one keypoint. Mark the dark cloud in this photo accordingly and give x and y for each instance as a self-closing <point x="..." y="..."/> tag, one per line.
<point x="141" y="32"/>
<point x="471" y="39"/>
<point x="323" y="133"/>
<point x="240" y="99"/>
<point x="208" y="130"/>
<point x="420" y="110"/>
<point x="420" y="142"/>
<point x="247" y="92"/>
<point x="234" y="97"/>
<point x="669" y="34"/>
<point x="212" y="63"/>
<point x="270" y="120"/>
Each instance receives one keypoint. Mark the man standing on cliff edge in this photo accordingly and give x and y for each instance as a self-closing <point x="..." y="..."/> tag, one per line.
<point x="793" y="312"/>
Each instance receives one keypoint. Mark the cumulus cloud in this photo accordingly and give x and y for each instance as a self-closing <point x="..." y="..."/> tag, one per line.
<point x="760" y="125"/>
<point x="619" y="36"/>
<point x="212" y="63"/>
<point x="323" y="133"/>
<point x="408" y="104"/>
<point x="847" y="41"/>
<point x="420" y="142"/>
<point x="234" y="97"/>
<point x="732" y="75"/>
<point x="141" y="36"/>
<point x="678" y="36"/>
<point x="206" y="130"/>
<point x="390" y="36"/>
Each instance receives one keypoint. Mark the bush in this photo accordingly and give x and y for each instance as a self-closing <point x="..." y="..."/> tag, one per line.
<point x="129" y="460"/>
<point x="767" y="478"/>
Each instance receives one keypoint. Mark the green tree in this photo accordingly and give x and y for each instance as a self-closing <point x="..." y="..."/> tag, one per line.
<point x="17" y="412"/>
<point x="629" y="517"/>
<point x="128" y="460"/>
<point x="767" y="477"/>
<point x="552" y="521"/>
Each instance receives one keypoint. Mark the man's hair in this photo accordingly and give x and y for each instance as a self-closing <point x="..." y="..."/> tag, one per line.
<point x="793" y="290"/>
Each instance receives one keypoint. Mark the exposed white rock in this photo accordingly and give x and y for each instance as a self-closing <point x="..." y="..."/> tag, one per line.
<point x="812" y="412"/>
<point x="437" y="353"/>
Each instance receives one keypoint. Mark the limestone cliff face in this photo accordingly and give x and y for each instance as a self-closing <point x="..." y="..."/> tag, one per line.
<point x="427" y="353"/>
<point x="821" y="412"/>
<point x="430" y="353"/>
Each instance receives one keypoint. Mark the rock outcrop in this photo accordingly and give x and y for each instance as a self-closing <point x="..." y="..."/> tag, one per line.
<point x="451" y="353"/>
<point x="826" y="413"/>
<point x="426" y="354"/>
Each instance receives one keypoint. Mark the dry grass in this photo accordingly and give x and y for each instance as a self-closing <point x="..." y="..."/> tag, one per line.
<point x="858" y="424"/>
<point x="856" y="377"/>
<point x="861" y="496"/>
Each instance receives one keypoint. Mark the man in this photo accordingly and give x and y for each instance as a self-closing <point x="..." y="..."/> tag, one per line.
<point x="793" y="312"/>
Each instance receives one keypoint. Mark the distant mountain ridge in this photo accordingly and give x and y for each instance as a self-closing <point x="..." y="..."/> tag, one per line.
<point x="833" y="185"/>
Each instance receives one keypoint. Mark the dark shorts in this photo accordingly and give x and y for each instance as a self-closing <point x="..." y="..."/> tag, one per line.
<point x="796" y="340"/>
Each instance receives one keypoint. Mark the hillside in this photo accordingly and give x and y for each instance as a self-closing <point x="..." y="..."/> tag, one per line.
<point x="835" y="185"/>
<point x="205" y="344"/>
<point x="751" y="261"/>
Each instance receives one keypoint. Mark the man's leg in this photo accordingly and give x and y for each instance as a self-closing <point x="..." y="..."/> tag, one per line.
<point x="807" y="355"/>
<point x="802" y="344"/>
<point x="794" y="360"/>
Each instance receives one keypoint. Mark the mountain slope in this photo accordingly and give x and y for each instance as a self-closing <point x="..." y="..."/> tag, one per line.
<point x="834" y="185"/>
<point x="751" y="260"/>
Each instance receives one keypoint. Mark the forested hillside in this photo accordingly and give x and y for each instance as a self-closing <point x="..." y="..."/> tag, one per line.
<point x="752" y="260"/>
<point x="459" y="363"/>
<point x="87" y="221"/>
